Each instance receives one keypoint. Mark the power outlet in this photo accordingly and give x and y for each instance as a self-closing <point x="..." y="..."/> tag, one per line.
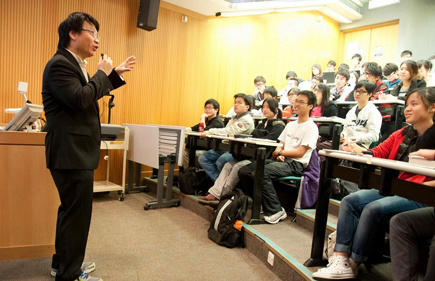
<point x="270" y="258"/>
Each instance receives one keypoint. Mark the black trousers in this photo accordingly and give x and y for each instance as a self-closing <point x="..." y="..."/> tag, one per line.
<point x="75" y="189"/>
<point x="272" y="171"/>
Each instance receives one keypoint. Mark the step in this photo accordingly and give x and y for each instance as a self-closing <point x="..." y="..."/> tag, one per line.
<point x="289" y="242"/>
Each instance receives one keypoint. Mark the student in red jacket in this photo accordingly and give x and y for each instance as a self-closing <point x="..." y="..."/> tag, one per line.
<point x="363" y="213"/>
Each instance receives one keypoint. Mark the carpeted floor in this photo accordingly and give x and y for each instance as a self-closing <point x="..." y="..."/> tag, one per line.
<point x="128" y="243"/>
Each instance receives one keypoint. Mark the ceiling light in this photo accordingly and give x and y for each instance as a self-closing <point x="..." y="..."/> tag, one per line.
<point x="382" y="3"/>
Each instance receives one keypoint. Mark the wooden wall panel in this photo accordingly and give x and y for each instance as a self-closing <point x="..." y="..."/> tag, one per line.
<point x="180" y="65"/>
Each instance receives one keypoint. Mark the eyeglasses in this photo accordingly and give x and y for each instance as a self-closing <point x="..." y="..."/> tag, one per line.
<point x="359" y="92"/>
<point x="259" y="84"/>
<point x="368" y="74"/>
<point x="93" y="32"/>
<point x="300" y="102"/>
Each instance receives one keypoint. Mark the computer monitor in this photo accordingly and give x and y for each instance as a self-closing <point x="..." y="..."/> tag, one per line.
<point x="329" y="77"/>
<point x="25" y="117"/>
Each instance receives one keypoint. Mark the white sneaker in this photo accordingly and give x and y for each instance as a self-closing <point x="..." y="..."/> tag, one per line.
<point x="338" y="269"/>
<point x="87" y="267"/>
<point x="85" y="277"/>
<point x="275" y="218"/>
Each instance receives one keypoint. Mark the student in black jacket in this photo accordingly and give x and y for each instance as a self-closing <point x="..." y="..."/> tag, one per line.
<point x="269" y="128"/>
<point x="325" y="107"/>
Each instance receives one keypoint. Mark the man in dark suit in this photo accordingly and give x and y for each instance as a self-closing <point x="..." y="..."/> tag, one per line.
<point x="72" y="143"/>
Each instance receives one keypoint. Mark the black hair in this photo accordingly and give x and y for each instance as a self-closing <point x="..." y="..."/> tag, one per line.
<point x="74" y="22"/>
<point x="215" y="104"/>
<point x="319" y="67"/>
<point x="406" y="52"/>
<point x="273" y="106"/>
<point x="343" y="66"/>
<point x="271" y="90"/>
<point x="356" y="75"/>
<point x="295" y="91"/>
<point x="312" y="100"/>
<point x="318" y="78"/>
<point x="325" y="95"/>
<point x="370" y="87"/>
<point x="364" y="65"/>
<point x="357" y="56"/>
<point x="426" y="63"/>
<point x="332" y="62"/>
<point x="343" y="72"/>
<point x="412" y="68"/>
<point x="390" y="68"/>
<point x="248" y="99"/>
<point x="291" y="74"/>
<point x="260" y="79"/>
<point x="374" y="69"/>
<point x="426" y="94"/>
<point x="295" y="79"/>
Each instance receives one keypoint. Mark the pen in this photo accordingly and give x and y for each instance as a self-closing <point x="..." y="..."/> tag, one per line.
<point x="355" y="141"/>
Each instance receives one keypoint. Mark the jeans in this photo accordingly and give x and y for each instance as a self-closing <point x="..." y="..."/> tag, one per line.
<point x="362" y="215"/>
<point x="213" y="161"/>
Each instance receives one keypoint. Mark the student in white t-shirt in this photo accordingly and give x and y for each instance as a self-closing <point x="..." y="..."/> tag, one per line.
<point x="299" y="138"/>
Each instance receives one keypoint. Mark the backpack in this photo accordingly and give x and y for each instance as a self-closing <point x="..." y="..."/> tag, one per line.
<point x="226" y="225"/>
<point x="341" y="188"/>
<point x="194" y="181"/>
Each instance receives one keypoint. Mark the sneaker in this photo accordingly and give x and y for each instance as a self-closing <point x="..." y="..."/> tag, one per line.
<point x="86" y="277"/>
<point x="338" y="269"/>
<point x="87" y="267"/>
<point x="208" y="200"/>
<point x="275" y="218"/>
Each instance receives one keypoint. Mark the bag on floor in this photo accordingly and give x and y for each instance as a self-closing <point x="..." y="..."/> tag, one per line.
<point x="330" y="245"/>
<point x="341" y="188"/>
<point x="226" y="225"/>
<point x="194" y="181"/>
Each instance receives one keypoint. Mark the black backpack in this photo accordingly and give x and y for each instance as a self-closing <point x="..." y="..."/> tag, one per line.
<point x="194" y="181"/>
<point x="231" y="209"/>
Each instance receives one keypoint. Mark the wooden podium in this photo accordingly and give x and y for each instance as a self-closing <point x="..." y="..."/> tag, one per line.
<point x="29" y="198"/>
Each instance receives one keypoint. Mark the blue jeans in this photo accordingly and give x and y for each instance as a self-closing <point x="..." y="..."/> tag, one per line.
<point x="213" y="161"/>
<point x="362" y="214"/>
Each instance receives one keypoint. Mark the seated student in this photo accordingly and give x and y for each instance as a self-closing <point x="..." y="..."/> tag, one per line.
<point x="316" y="70"/>
<point x="366" y="119"/>
<point x="409" y="232"/>
<point x="299" y="138"/>
<point x="391" y="71"/>
<point x="330" y="67"/>
<point x="373" y="73"/>
<point x="409" y="75"/>
<point x="363" y="214"/>
<point x="424" y="67"/>
<point x="212" y="161"/>
<point x="406" y="55"/>
<point x="288" y="109"/>
<point x="344" y="66"/>
<point x="269" y="128"/>
<point x="325" y="107"/>
<point x="270" y="93"/>
<point x="356" y="60"/>
<point x="353" y="78"/>
<point x="342" y="89"/>
<point x="258" y="95"/>
<point x="363" y="69"/>
<point x="293" y="83"/>
<point x="288" y="77"/>
<point x="210" y="119"/>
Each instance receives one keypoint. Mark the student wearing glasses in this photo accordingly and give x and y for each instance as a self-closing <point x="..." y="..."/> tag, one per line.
<point x="373" y="73"/>
<point x="391" y="71"/>
<point x="298" y="140"/>
<point x="258" y="95"/>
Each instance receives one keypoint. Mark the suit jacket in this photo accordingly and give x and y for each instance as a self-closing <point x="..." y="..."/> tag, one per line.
<point x="72" y="112"/>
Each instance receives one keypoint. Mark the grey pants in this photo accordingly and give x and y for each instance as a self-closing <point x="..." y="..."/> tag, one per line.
<point x="410" y="233"/>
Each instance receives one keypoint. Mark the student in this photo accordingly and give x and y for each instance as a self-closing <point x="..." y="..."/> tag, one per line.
<point x="424" y="67"/>
<point x="391" y="71"/>
<point x="288" y="77"/>
<point x="409" y="232"/>
<point x="325" y="107"/>
<point x="269" y="128"/>
<point x="344" y="66"/>
<point x="270" y="93"/>
<point x="330" y="67"/>
<point x="212" y="161"/>
<point x="363" y="214"/>
<point x="373" y="73"/>
<point x="353" y="78"/>
<point x="260" y="85"/>
<point x="210" y="119"/>
<point x="356" y="60"/>
<point x="406" y="55"/>
<point x="363" y="69"/>
<point x="299" y="138"/>
<point x="409" y="75"/>
<point x="293" y="83"/>
<point x="316" y="70"/>
<point x="342" y="89"/>
<point x="365" y="116"/>
<point x="288" y="108"/>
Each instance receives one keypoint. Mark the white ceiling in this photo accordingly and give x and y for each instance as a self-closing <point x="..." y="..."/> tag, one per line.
<point x="343" y="11"/>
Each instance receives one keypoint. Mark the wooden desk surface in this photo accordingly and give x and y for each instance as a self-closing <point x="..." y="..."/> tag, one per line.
<point x="22" y="138"/>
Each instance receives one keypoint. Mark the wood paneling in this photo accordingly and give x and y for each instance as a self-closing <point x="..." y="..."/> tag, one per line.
<point x="180" y="65"/>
